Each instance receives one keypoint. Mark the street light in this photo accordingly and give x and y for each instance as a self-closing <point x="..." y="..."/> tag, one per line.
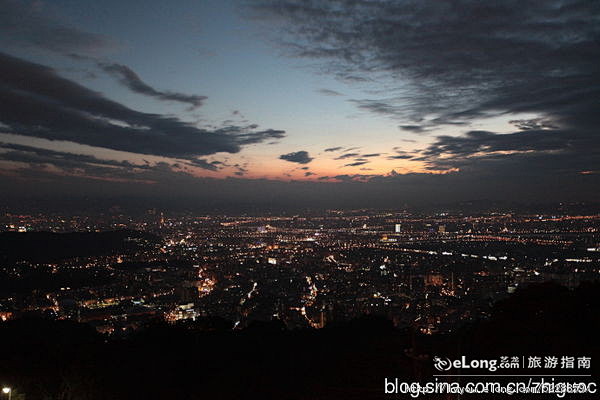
<point x="8" y="391"/>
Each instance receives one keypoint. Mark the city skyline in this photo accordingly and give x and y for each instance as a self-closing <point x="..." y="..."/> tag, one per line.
<point x="299" y="199"/>
<point x="185" y="305"/>
<point x="289" y="103"/>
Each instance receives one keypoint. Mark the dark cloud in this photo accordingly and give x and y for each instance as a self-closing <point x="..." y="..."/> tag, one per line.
<point x="413" y="128"/>
<point x="557" y="153"/>
<point x="45" y="164"/>
<point x="535" y="123"/>
<point x="355" y="178"/>
<point x="454" y="59"/>
<point x="244" y="137"/>
<point x="309" y="173"/>
<point x="176" y="190"/>
<point x="241" y="169"/>
<point x="348" y="78"/>
<point x="35" y="101"/>
<point x="333" y="149"/>
<point x="371" y="155"/>
<point x="329" y="92"/>
<point x="25" y="23"/>
<point x="347" y="155"/>
<point x="300" y="157"/>
<point x="211" y="166"/>
<point x="463" y="61"/>
<point x="356" y="163"/>
<point x="34" y="155"/>
<point x="400" y="155"/>
<point x="378" y="107"/>
<point x="131" y="80"/>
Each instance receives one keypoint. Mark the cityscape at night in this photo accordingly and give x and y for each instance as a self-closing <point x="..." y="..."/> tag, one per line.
<point x="299" y="199"/>
<point x="433" y="272"/>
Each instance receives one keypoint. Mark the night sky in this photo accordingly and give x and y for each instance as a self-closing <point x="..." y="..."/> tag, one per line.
<point x="316" y="103"/>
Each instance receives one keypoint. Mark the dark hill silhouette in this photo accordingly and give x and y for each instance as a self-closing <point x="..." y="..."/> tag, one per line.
<point x="50" y="247"/>
<point x="208" y="360"/>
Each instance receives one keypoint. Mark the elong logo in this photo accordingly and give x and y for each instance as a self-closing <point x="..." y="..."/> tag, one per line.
<point x="444" y="364"/>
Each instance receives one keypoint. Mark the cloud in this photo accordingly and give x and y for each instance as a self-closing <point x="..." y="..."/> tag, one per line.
<point x="355" y="178"/>
<point x="377" y="107"/>
<point x="211" y="166"/>
<point x="451" y="59"/>
<point x="347" y="155"/>
<point x="413" y="128"/>
<point x="45" y="164"/>
<point x="35" y="155"/>
<point x="329" y="92"/>
<point x="309" y="173"/>
<point x="356" y="163"/>
<point x="36" y="101"/>
<point x="131" y="80"/>
<point x="535" y="123"/>
<point x="333" y="149"/>
<point x="181" y="191"/>
<point x="557" y="153"/>
<point x="371" y="155"/>
<point x="241" y="169"/>
<point x="463" y="62"/>
<point x="300" y="157"/>
<point x="400" y="155"/>
<point x="244" y="137"/>
<point x="24" y="23"/>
